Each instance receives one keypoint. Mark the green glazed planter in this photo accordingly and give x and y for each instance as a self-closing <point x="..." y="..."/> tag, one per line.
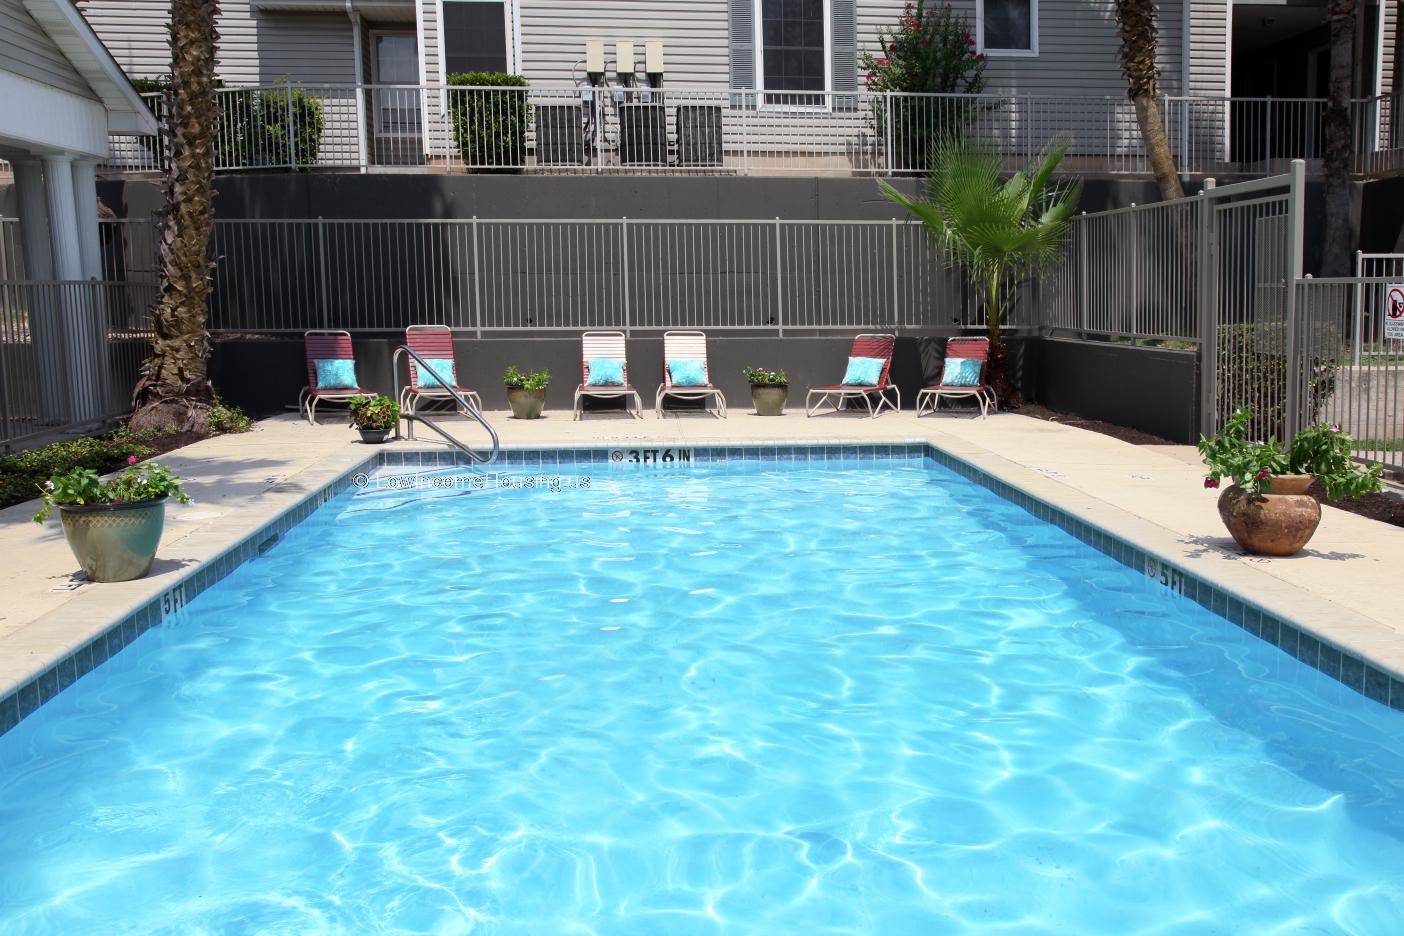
<point x="114" y="542"/>
<point x="769" y="399"/>
<point x="526" y="404"/>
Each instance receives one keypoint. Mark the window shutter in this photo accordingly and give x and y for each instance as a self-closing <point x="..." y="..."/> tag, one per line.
<point x="844" y="50"/>
<point x="742" y="24"/>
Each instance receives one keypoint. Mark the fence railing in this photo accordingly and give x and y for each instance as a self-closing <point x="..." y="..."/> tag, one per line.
<point x="685" y="131"/>
<point x="69" y="353"/>
<point x="1362" y="393"/>
<point x="506" y="275"/>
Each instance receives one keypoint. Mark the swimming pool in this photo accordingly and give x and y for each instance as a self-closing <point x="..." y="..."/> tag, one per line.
<point x="745" y="698"/>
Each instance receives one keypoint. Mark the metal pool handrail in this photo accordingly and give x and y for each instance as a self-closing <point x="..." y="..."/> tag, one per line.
<point x="463" y="405"/>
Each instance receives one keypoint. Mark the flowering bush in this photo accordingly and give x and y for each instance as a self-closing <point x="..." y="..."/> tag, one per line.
<point x="148" y="482"/>
<point x="1322" y="451"/>
<point x="932" y="51"/>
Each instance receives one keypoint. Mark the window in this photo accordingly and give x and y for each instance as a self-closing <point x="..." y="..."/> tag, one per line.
<point x="395" y="62"/>
<point x="1008" y="27"/>
<point x="475" y="36"/>
<point x="793" y="40"/>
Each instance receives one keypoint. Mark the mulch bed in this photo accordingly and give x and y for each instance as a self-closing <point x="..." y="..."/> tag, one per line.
<point x="172" y="441"/>
<point x="1386" y="508"/>
<point x="1125" y="434"/>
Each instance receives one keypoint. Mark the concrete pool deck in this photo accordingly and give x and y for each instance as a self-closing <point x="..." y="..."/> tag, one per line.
<point x="1342" y="588"/>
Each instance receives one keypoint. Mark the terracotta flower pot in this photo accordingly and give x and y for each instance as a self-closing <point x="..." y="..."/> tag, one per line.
<point x="769" y="399"/>
<point x="526" y="404"/>
<point x="1278" y="523"/>
<point x="114" y="542"/>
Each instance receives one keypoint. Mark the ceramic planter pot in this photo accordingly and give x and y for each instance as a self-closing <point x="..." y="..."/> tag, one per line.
<point x="1278" y="523"/>
<point x="375" y="436"/>
<point x="114" y="542"/>
<point x="769" y="399"/>
<point x="526" y="404"/>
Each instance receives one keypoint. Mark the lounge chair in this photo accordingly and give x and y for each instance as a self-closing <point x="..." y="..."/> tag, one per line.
<point x="685" y="350"/>
<point x="338" y="380"/>
<point x="958" y="350"/>
<point x="433" y="343"/>
<point x="606" y="348"/>
<point x="876" y="394"/>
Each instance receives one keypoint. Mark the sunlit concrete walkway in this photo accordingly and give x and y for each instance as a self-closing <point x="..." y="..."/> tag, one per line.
<point x="1342" y="587"/>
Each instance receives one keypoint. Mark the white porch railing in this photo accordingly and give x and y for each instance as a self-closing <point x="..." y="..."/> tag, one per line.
<point x="689" y="131"/>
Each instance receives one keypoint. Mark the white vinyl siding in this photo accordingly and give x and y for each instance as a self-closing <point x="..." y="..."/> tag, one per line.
<point x="26" y="50"/>
<point x="693" y="32"/>
<point x="1077" y="47"/>
<point x="255" y="47"/>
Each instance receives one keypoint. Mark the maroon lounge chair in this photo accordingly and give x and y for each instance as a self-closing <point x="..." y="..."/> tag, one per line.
<point x="877" y="396"/>
<point x="322" y="345"/>
<point x="978" y="349"/>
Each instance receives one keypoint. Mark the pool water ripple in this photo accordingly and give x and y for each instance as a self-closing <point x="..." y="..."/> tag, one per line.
<point x="723" y="701"/>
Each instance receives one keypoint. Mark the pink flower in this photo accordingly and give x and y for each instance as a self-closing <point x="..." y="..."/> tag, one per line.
<point x="131" y="459"/>
<point x="980" y="57"/>
<point x="116" y="500"/>
<point x="1335" y="428"/>
<point x="1262" y="474"/>
<point x="882" y="61"/>
<point x="1211" y="482"/>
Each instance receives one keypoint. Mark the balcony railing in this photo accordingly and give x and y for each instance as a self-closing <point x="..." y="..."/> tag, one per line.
<point x="689" y="131"/>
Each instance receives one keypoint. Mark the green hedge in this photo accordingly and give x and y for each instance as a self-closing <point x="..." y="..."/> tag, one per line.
<point x="490" y="127"/>
<point x="275" y="128"/>
<point x="1253" y="372"/>
<point x="21" y="475"/>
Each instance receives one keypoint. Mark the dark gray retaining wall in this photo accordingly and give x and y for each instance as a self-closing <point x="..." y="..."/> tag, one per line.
<point x="1149" y="389"/>
<point x="264" y="375"/>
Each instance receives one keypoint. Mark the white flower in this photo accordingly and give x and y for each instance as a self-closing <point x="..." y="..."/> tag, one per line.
<point x="49" y="485"/>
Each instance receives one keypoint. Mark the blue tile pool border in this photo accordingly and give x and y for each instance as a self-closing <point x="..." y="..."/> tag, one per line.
<point x="1350" y="670"/>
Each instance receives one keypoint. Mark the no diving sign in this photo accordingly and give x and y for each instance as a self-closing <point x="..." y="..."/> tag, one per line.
<point x="1394" y="312"/>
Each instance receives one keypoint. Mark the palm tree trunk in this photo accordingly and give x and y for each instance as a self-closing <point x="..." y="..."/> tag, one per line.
<point x="999" y="377"/>
<point x="1136" y="22"/>
<point x="1336" y="124"/>
<point x="173" y="393"/>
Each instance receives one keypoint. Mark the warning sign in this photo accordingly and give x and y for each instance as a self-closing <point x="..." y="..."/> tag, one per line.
<point x="1394" y="312"/>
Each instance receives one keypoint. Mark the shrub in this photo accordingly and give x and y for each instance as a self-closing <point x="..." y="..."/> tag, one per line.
<point x="226" y="418"/>
<point x="764" y="377"/>
<point x="932" y="51"/>
<point x="278" y="127"/>
<point x="22" y="474"/>
<point x="1252" y="368"/>
<point x="373" y="412"/>
<point x="489" y="127"/>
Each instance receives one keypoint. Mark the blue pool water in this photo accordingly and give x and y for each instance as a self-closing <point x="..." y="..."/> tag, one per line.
<point x="824" y="700"/>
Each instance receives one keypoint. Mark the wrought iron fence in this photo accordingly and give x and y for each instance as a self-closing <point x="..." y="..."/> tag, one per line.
<point x="69" y="353"/>
<point x="682" y="130"/>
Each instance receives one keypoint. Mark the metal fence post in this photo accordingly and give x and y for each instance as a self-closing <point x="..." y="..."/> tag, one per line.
<point x="1206" y="282"/>
<point x="477" y="284"/>
<point x="1085" y="276"/>
<point x="624" y="269"/>
<point x="895" y="317"/>
<point x="1295" y="192"/>
<point x="322" y="272"/>
<point x="1358" y="313"/>
<point x="288" y="127"/>
<point x="779" y="285"/>
<point x="889" y="118"/>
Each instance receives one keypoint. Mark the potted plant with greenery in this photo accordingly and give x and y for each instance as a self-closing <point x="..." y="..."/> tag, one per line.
<point x="112" y="526"/>
<point x="526" y="391"/>
<point x="374" y="416"/>
<point x="769" y="390"/>
<point x="1267" y="509"/>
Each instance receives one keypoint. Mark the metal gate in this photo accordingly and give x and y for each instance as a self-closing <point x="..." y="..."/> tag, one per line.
<point x="1250" y="258"/>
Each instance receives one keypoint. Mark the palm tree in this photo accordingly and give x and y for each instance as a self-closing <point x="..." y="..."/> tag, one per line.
<point x="173" y="393"/>
<point x="999" y="231"/>
<point x="1136" y="21"/>
<point x="1336" y="126"/>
